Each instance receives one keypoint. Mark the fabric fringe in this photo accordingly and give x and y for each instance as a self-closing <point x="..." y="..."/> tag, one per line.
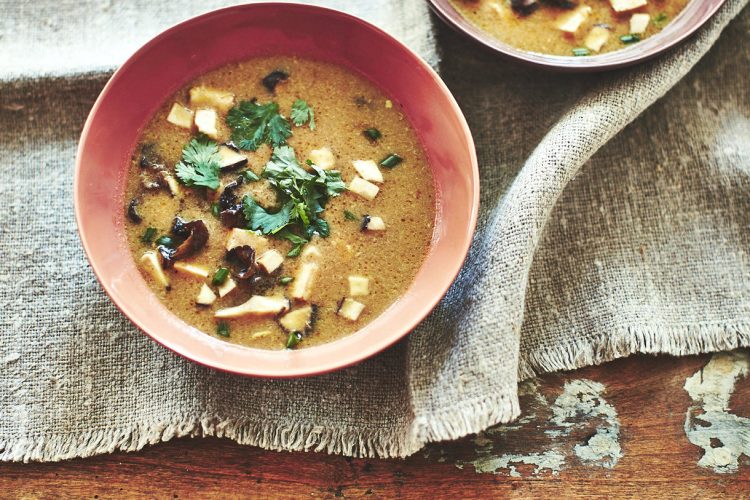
<point x="646" y="339"/>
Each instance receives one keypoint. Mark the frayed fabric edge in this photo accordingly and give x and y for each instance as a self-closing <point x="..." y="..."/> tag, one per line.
<point x="679" y="340"/>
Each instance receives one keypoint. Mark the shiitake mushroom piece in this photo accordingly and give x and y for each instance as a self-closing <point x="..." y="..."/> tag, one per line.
<point x="194" y="235"/>
<point x="242" y="260"/>
<point x="272" y="79"/>
<point x="524" y="7"/>
<point x="562" y="4"/>
<point x="133" y="214"/>
<point x="230" y="208"/>
<point x="230" y="157"/>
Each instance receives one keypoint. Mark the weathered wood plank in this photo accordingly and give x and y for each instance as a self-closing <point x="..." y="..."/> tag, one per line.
<point x="614" y="430"/>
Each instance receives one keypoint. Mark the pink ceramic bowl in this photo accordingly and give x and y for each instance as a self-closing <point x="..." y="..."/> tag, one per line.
<point x="695" y="14"/>
<point x="189" y="49"/>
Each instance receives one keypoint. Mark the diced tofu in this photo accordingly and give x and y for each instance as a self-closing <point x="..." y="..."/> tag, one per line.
<point x="151" y="263"/>
<point x="303" y="282"/>
<point x="206" y="296"/>
<point x="181" y="116"/>
<point x="359" y="286"/>
<point x="205" y="122"/>
<point x="573" y="20"/>
<point x="261" y="334"/>
<point x="323" y="158"/>
<point x="191" y="269"/>
<point x="351" y="309"/>
<point x="388" y="104"/>
<point x="171" y="182"/>
<point x="227" y="287"/>
<point x="596" y="38"/>
<point x="365" y="189"/>
<point x="214" y="98"/>
<point x="626" y="5"/>
<point x="368" y="170"/>
<point x="311" y="252"/>
<point x="258" y="305"/>
<point x="241" y="237"/>
<point x="639" y="23"/>
<point x="230" y="159"/>
<point x="298" y="320"/>
<point x="270" y="261"/>
<point x="373" y="223"/>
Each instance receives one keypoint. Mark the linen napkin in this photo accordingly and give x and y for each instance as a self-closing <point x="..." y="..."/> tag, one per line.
<point x="614" y="220"/>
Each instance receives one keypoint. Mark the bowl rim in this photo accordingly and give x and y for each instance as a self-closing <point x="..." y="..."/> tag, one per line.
<point x="368" y="350"/>
<point x="601" y="62"/>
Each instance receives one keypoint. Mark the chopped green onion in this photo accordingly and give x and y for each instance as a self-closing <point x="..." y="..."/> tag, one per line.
<point x="148" y="235"/>
<point x="250" y="176"/>
<point x="631" y="38"/>
<point x="581" y="51"/>
<point x="222" y="329"/>
<point x="220" y="276"/>
<point x="391" y="160"/>
<point x="295" y="251"/>
<point x="215" y="211"/>
<point x="349" y="215"/>
<point x="294" y="339"/>
<point x="372" y="133"/>
<point x="660" y="19"/>
<point x="165" y="241"/>
<point x="285" y="280"/>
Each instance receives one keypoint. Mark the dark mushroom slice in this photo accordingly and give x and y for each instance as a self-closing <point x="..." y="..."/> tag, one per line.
<point x="272" y="79"/>
<point x="242" y="259"/>
<point x="230" y="159"/>
<point x="524" y="7"/>
<point x="195" y="236"/>
<point x="563" y="4"/>
<point x="365" y="221"/>
<point x="150" y="158"/>
<point x="231" y="214"/>
<point x="299" y="320"/>
<point x="133" y="214"/>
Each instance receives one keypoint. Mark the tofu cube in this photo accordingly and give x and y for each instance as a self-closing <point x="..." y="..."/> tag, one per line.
<point x="311" y="252"/>
<point x="206" y="122"/>
<point x="639" y="23"/>
<point x="206" y="296"/>
<point x="303" y="282"/>
<point x="596" y="38"/>
<point x="299" y="320"/>
<point x="359" y="286"/>
<point x="227" y="287"/>
<point x="270" y="261"/>
<point x="241" y="237"/>
<point x="181" y="116"/>
<point x="626" y="5"/>
<point x="365" y="189"/>
<point x="212" y="98"/>
<point x="373" y="223"/>
<point x="151" y="263"/>
<point x="351" y="309"/>
<point x="573" y="20"/>
<point x="191" y="269"/>
<point x="261" y="334"/>
<point x="368" y="170"/>
<point x="258" y="305"/>
<point x="323" y="158"/>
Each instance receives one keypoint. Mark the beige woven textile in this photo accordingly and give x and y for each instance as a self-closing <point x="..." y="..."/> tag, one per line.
<point x="598" y="238"/>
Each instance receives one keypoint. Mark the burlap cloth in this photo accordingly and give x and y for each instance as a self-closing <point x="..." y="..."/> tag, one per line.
<point x="578" y="259"/>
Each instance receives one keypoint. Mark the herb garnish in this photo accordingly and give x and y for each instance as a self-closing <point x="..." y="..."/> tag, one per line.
<point x="372" y="133"/>
<point x="215" y="210"/>
<point x="200" y="164"/>
<point x="148" y="235"/>
<point x="349" y="215"/>
<point x="250" y="176"/>
<point x="581" y="51"/>
<point x="302" y="113"/>
<point x="285" y="280"/>
<point x="660" y="19"/>
<point x="220" y="276"/>
<point x="222" y="329"/>
<point x="631" y="38"/>
<point x="303" y="196"/>
<point x="166" y="241"/>
<point x="253" y="124"/>
<point x="391" y="160"/>
<point x="294" y="339"/>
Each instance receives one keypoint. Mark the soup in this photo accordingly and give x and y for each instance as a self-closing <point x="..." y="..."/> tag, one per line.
<point x="570" y="28"/>
<point x="279" y="203"/>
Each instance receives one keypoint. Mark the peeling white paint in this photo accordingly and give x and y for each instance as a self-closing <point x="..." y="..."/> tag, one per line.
<point x="723" y="436"/>
<point x="551" y="461"/>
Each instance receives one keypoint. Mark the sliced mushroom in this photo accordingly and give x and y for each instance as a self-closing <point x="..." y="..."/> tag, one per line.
<point x="195" y="236"/>
<point x="243" y="260"/>
<point x="524" y="7"/>
<point x="150" y="262"/>
<point x="272" y="79"/>
<point x="133" y="214"/>
<point x="206" y="296"/>
<point x="231" y="214"/>
<point x="258" y="305"/>
<point x="230" y="158"/>
<point x="299" y="320"/>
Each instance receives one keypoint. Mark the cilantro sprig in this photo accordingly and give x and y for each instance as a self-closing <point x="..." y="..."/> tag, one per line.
<point x="253" y="124"/>
<point x="200" y="164"/>
<point x="303" y="198"/>
<point x="302" y="113"/>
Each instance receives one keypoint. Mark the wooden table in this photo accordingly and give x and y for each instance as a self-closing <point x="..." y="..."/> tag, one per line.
<point x="617" y="430"/>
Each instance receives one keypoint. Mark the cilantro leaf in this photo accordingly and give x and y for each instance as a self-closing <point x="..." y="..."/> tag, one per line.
<point x="301" y="113"/>
<point x="259" y="219"/>
<point x="253" y="124"/>
<point x="200" y="164"/>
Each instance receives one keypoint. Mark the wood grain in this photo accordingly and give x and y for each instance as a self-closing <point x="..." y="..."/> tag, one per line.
<point x="647" y="393"/>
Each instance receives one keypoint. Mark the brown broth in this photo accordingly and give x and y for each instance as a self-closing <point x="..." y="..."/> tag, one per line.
<point x="538" y="32"/>
<point x="345" y="104"/>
